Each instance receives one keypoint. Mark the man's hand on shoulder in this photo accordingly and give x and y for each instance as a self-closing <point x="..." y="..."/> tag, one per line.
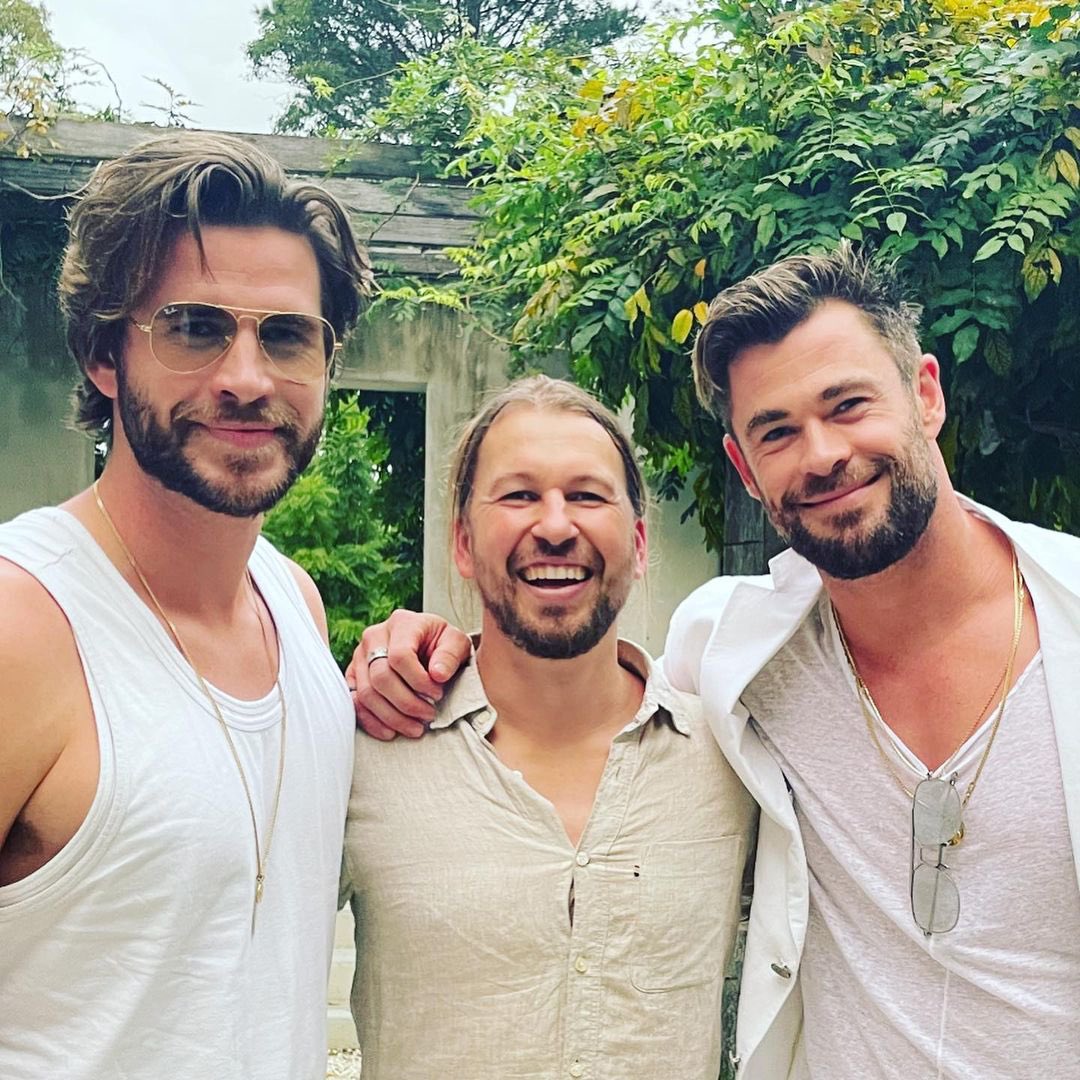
<point x="398" y="671"/>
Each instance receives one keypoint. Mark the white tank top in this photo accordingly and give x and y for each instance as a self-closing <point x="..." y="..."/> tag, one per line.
<point x="130" y="955"/>
<point x="997" y="997"/>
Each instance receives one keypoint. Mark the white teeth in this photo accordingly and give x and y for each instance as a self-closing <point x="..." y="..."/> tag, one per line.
<point x="555" y="573"/>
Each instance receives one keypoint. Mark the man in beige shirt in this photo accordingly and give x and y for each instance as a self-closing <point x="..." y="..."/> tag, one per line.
<point x="548" y="885"/>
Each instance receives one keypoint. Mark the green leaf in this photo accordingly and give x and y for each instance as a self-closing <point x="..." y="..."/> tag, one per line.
<point x="964" y="342"/>
<point x="584" y="334"/>
<point x="948" y="323"/>
<point x="766" y="226"/>
<point x="998" y="354"/>
<point x="940" y="244"/>
<point x="991" y="247"/>
<point x="896" y="221"/>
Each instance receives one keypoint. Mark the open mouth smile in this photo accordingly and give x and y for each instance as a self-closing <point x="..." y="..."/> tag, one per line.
<point x="554" y="575"/>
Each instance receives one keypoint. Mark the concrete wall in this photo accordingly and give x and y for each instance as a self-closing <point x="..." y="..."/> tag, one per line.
<point x="42" y="460"/>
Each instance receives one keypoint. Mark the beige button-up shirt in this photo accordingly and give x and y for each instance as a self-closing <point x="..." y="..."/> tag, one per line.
<point x="490" y="948"/>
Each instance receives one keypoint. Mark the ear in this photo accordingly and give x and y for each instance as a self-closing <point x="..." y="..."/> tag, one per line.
<point x="463" y="559"/>
<point x="929" y="395"/>
<point x="735" y="456"/>
<point x="641" y="549"/>
<point x="102" y="373"/>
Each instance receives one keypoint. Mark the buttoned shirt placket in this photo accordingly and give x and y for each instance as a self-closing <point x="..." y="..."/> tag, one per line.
<point x="593" y="878"/>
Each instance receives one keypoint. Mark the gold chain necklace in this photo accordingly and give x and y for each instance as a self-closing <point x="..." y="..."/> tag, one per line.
<point x="262" y="856"/>
<point x="1005" y="683"/>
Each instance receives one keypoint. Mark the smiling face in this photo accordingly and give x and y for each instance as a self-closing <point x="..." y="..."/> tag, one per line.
<point x="836" y="444"/>
<point x="549" y="535"/>
<point x="232" y="436"/>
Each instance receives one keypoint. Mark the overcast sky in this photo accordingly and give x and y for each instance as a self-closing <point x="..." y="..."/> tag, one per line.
<point x="196" y="46"/>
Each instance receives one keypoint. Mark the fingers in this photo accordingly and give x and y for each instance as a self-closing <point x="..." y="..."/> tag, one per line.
<point x="450" y="649"/>
<point x="369" y="723"/>
<point x="392" y="691"/>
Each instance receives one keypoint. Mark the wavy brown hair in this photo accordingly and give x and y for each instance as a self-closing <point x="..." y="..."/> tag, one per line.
<point x="765" y="307"/>
<point x="132" y="210"/>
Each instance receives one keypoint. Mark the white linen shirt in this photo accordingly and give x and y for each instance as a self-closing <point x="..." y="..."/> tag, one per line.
<point x="721" y="637"/>
<point x="491" y="948"/>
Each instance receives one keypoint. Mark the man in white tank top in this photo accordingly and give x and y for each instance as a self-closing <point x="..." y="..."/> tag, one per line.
<point x="899" y="696"/>
<point x="175" y="738"/>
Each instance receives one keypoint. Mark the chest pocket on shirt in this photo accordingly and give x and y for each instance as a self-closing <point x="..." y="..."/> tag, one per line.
<point x="686" y="913"/>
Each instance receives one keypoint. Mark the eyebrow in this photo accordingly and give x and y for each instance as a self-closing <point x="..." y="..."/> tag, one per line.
<point x="528" y="479"/>
<point x="830" y="393"/>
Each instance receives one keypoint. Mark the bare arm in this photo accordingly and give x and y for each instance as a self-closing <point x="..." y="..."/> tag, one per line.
<point x="393" y="696"/>
<point x="48" y="742"/>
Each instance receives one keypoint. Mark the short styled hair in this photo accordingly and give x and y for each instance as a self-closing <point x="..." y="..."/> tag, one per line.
<point x="552" y="395"/>
<point x="132" y="210"/>
<point x="765" y="307"/>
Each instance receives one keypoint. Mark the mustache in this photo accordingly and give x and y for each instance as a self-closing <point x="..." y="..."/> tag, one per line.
<point x="841" y="476"/>
<point x="261" y="413"/>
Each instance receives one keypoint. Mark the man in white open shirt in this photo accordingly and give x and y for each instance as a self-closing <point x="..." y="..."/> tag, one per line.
<point x="899" y="928"/>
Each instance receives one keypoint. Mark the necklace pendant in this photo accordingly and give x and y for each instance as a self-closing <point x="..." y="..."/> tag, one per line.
<point x="259" y="882"/>
<point x="957" y="836"/>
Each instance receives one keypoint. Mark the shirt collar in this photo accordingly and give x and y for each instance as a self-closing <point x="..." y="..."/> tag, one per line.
<point x="465" y="698"/>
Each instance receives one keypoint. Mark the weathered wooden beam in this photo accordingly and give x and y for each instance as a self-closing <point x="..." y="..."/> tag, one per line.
<point x="91" y="141"/>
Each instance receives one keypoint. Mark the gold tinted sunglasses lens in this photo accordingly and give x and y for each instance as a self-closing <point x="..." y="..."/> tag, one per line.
<point x="187" y="337"/>
<point x="299" y="345"/>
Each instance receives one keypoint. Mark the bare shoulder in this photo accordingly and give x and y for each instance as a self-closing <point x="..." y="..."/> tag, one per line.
<point x="44" y="687"/>
<point x="310" y="591"/>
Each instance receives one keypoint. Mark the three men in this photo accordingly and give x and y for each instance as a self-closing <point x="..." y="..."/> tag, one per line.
<point x="898" y="697"/>
<point x="175" y="736"/>
<point x="549" y="884"/>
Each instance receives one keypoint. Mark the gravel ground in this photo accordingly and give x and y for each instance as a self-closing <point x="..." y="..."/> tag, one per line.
<point x="343" y="1065"/>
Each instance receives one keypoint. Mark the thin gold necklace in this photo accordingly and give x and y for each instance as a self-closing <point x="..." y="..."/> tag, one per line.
<point x="262" y="856"/>
<point x="864" y="695"/>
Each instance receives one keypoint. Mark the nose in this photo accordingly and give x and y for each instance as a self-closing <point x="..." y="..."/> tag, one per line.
<point x="823" y="448"/>
<point x="244" y="372"/>
<point x="554" y="523"/>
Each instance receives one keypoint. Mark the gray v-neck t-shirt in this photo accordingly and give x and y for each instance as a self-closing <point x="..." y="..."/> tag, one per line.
<point x="997" y="998"/>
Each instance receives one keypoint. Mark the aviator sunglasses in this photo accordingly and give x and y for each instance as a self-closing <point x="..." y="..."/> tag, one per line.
<point x="936" y="824"/>
<point x="186" y="337"/>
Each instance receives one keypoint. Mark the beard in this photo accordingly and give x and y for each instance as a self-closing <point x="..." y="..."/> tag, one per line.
<point x="160" y="451"/>
<point x="913" y="497"/>
<point x="558" y="643"/>
<point x="558" y="636"/>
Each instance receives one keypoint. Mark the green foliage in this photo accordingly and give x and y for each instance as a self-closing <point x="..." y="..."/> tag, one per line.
<point x="329" y="522"/>
<point x="33" y="74"/>
<point x="619" y="197"/>
<point x="342" y="53"/>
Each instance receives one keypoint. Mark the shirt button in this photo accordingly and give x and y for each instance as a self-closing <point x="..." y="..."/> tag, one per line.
<point x="577" y="1069"/>
<point x="581" y="965"/>
<point x="582" y="859"/>
<point x="782" y="970"/>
